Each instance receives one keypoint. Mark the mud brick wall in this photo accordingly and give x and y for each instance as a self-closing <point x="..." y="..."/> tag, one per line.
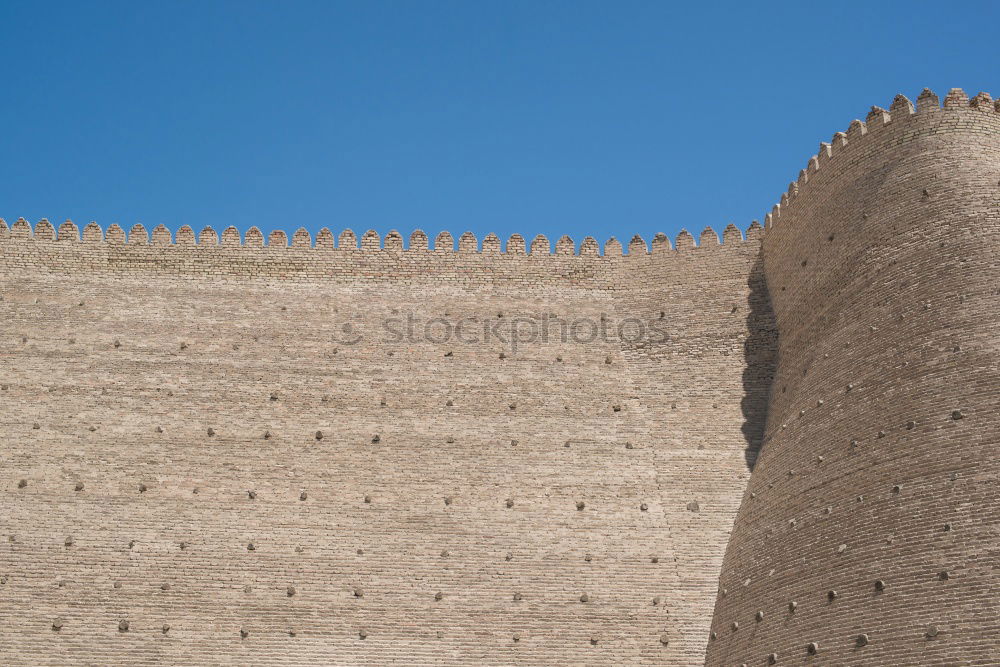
<point x="217" y="471"/>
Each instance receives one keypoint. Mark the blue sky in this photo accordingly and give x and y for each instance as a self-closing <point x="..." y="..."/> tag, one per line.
<point x="580" y="118"/>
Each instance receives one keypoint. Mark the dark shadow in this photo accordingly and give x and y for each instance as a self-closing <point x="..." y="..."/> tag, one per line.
<point x="760" y="351"/>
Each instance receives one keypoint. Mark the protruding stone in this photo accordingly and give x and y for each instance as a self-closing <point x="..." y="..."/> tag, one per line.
<point x="244" y="633"/>
<point x="303" y="496"/>
<point x="57" y="624"/>
<point x="438" y="596"/>
<point x="812" y="648"/>
<point x="319" y="435"/>
<point x="584" y="598"/>
<point x="123" y="625"/>
<point x="362" y="634"/>
<point x="931" y="632"/>
<point x="862" y="639"/>
<point x="879" y="585"/>
<point x="290" y="591"/>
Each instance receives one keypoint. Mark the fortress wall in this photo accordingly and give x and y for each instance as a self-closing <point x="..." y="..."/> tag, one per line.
<point x="445" y="466"/>
<point x="699" y="385"/>
<point x="874" y="506"/>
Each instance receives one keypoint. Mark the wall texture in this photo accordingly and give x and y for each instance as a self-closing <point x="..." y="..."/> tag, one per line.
<point x="869" y="532"/>
<point x="471" y="501"/>
<point x="220" y="451"/>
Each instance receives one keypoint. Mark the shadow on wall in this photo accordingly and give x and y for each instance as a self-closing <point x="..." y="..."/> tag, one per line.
<point x="760" y="351"/>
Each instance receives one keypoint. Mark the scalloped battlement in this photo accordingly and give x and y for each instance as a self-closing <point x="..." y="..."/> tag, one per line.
<point x="860" y="133"/>
<point x="854" y="140"/>
<point x="371" y="241"/>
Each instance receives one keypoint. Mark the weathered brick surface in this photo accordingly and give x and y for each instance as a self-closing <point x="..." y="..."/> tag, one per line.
<point x="638" y="431"/>
<point x="874" y="506"/>
<point x="202" y="464"/>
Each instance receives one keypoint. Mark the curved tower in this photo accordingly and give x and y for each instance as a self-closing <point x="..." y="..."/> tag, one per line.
<point x="868" y="534"/>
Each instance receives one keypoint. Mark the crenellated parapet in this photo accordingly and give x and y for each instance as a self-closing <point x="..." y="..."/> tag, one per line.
<point x="860" y="135"/>
<point x="370" y="241"/>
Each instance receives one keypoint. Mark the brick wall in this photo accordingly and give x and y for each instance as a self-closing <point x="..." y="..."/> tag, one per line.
<point x="516" y="482"/>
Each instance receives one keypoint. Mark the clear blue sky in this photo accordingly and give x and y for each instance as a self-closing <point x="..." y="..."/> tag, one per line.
<point x="574" y="117"/>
